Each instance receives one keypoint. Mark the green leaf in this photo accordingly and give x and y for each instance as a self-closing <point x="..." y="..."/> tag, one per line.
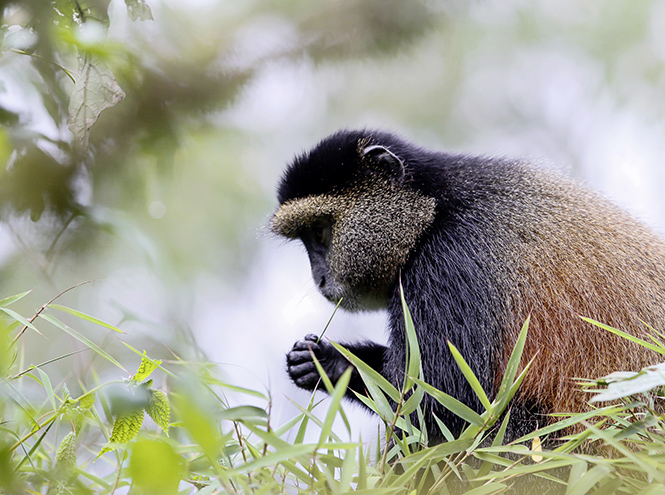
<point x="85" y="341"/>
<point x="268" y="437"/>
<point x="203" y="428"/>
<point x="20" y="318"/>
<point x="46" y="381"/>
<point x="138" y="9"/>
<point x="348" y="470"/>
<point x="96" y="89"/>
<point x="369" y="374"/>
<point x="413" y="349"/>
<point x="452" y="404"/>
<point x="288" y="452"/>
<point x="335" y="404"/>
<point x="67" y="450"/>
<point x="376" y="384"/>
<point x="622" y="384"/>
<point x="235" y="388"/>
<point x="513" y="363"/>
<point x="243" y="413"/>
<point x="87" y="401"/>
<point x="327" y="383"/>
<point x="485" y="489"/>
<point x="413" y="402"/>
<point x="155" y="468"/>
<point x="503" y="400"/>
<point x="303" y="421"/>
<point x="86" y="317"/>
<point x="438" y="452"/>
<point x="470" y="376"/>
<point x="12" y="299"/>
<point x="125" y="428"/>
<point x="146" y="368"/>
<point x="486" y="467"/>
<point x="588" y="480"/>
<point x="565" y="423"/>
<point x="159" y="409"/>
<point x="444" y="429"/>
<point x="66" y="458"/>
<point x="657" y="348"/>
<point x="528" y="469"/>
<point x="143" y="355"/>
<point x="330" y="388"/>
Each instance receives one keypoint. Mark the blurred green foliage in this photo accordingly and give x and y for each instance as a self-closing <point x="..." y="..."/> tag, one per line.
<point x="160" y="90"/>
<point x="145" y="152"/>
<point x="53" y="442"/>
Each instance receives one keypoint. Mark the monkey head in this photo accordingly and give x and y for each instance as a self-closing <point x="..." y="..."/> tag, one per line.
<point x="350" y="202"/>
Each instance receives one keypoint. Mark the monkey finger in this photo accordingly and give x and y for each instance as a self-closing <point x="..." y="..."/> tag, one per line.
<point x="297" y="357"/>
<point x="297" y="371"/>
<point x="305" y="345"/>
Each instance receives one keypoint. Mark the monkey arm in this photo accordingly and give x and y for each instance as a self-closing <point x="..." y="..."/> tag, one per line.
<point x="303" y="372"/>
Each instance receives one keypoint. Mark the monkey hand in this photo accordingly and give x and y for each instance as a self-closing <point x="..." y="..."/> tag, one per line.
<point x="301" y="367"/>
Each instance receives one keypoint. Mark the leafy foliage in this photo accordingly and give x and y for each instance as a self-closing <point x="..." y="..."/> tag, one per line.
<point x="214" y="446"/>
<point x="119" y="115"/>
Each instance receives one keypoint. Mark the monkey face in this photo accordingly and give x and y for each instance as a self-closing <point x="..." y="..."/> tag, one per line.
<point x="358" y="240"/>
<point x="351" y="205"/>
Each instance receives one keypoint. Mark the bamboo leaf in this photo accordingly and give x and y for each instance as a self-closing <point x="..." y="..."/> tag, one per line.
<point x="413" y="402"/>
<point x="46" y="381"/>
<point x="588" y="480"/>
<point x="84" y="316"/>
<point x="413" y="349"/>
<point x="452" y="404"/>
<point x="12" y="299"/>
<point x="275" y="458"/>
<point x="470" y="376"/>
<point x="514" y="361"/>
<point x="369" y="372"/>
<point x="85" y="341"/>
<point x="485" y="489"/>
<point x="329" y="386"/>
<point x="66" y="456"/>
<point x="335" y="404"/>
<point x="243" y="413"/>
<point x="648" y="345"/>
<point x="20" y="318"/>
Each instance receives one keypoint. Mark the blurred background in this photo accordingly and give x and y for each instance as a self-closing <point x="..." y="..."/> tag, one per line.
<point x="163" y="204"/>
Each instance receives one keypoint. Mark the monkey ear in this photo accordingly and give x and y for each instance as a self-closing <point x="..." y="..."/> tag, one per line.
<point x="383" y="156"/>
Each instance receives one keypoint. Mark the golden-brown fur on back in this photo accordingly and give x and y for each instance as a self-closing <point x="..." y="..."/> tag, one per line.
<point x="585" y="258"/>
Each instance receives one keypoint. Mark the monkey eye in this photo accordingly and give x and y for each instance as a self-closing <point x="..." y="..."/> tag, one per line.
<point x="321" y="232"/>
